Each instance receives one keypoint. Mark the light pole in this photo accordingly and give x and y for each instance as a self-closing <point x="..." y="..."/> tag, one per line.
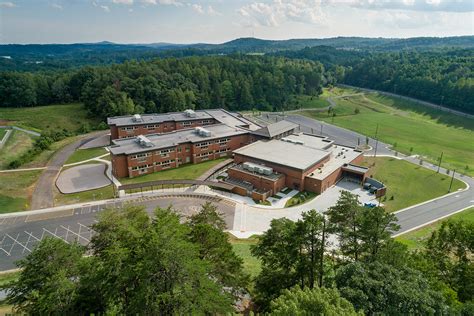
<point x="376" y="140"/>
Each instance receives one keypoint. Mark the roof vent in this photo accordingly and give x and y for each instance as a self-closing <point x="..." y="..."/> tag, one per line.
<point x="202" y="131"/>
<point x="189" y="113"/>
<point x="137" y="118"/>
<point x="143" y="141"/>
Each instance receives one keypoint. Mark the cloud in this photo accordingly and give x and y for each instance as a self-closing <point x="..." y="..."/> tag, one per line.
<point x="105" y="8"/>
<point x="212" y="12"/>
<point x="127" y="2"/>
<point x="277" y="12"/>
<point x="198" y="8"/>
<point x="170" y="2"/>
<point x="57" y="6"/>
<point x="7" y="5"/>
<point x="415" y="5"/>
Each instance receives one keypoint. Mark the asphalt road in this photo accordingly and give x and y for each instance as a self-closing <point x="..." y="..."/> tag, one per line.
<point x="340" y="135"/>
<point x="43" y="195"/>
<point x="19" y="234"/>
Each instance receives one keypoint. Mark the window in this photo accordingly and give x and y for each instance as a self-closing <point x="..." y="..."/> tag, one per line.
<point x="187" y="123"/>
<point x="187" y="149"/>
<point x="129" y="128"/>
<point x="151" y="126"/>
<point x="179" y="149"/>
<point x="139" y="156"/>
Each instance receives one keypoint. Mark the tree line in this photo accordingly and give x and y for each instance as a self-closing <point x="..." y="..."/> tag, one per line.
<point x="234" y="82"/>
<point x="341" y="263"/>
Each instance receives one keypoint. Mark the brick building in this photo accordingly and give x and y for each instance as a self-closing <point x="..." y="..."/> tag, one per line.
<point x="299" y="161"/>
<point x="147" y="154"/>
<point x="131" y="126"/>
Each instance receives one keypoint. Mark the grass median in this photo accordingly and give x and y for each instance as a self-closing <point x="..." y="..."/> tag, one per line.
<point x="408" y="126"/>
<point x="408" y="184"/>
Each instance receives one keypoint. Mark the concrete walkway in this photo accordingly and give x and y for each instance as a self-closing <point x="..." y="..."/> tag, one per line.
<point x="5" y="138"/>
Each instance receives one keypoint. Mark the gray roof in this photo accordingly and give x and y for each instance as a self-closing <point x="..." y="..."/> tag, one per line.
<point x="275" y="129"/>
<point x="156" y="118"/>
<point x="159" y="141"/>
<point x="283" y="153"/>
<point x="220" y="115"/>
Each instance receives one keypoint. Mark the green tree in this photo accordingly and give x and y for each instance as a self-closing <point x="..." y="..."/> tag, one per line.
<point x="113" y="102"/>
<point x="48" y="282"/>
<point x="378" y="288"/>
<point x="214" y="247"/>
<point x="451" y="249"/>
<point x="151" y="264"/>
<point x="317" y="301"/>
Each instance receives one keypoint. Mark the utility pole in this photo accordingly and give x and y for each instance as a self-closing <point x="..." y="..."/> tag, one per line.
<point x="439" y="164"/>
<point x="452" y="179"/>
<point x="321" y="263"/>
<point x="376" y="140"/>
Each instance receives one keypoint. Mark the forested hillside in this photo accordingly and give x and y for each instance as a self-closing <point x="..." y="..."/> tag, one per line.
<point x="445" y="77"/>
<point x="236" y="83"/>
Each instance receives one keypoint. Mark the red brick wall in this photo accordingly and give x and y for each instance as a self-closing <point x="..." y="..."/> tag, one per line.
<point x="119" y="166"/>
<point x="164" y="127"/>
<point x="258" y="181"/>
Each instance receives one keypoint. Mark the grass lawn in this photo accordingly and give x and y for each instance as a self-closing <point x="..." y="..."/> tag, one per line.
<point x="86" y="196"/>
<point x="300" y="198"/>
<point x="409" y="184"/>
<point x="3" y="131"/>
<point x="188" y="171"/>
<point x="241" y="247"/>
<point x="416" y="238"/>
<point x="8" y="277"/>
<point x="16" y="189"/>
<point x="63" y="116"/>
<point x="18" y="143"/>
<point x="84" y="154"/>
<point x="406" y="125"/>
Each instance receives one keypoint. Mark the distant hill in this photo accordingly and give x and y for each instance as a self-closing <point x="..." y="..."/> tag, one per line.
<point x="32" y="57"/>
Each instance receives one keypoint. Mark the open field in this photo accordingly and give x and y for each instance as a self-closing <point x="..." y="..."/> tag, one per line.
<point x="415" y="239"/>
<point x="65" y="116"/>
<point x="84" y="154"/>
<point x="16" y="189"/>
<point x="3" y="131"/>
<point x="86" y="196"/>
<point x="242" y="249"/>
<point x="18" y="143"/>
<point x="308" y="102"/>
<point x="188" y="171"/>
<point x="407" y="126"/>
<point x="407" y="183"/>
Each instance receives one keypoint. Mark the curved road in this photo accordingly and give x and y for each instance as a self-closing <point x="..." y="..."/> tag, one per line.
<point x="43" y="196"/>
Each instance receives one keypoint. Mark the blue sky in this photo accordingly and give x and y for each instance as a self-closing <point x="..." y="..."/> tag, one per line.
<point x="216" y="21"/>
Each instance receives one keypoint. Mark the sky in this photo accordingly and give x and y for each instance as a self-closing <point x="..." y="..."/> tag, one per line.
<point x="217" y="21"/>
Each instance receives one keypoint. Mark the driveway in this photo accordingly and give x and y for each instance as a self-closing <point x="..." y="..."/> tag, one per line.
<point x="43" y="196"/>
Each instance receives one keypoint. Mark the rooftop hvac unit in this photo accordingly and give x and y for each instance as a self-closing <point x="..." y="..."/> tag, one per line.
<point x="202" y="132"/>
<point x="143" y="141"/>
<point x="190" y="113"/>
<point x="137" y="118"/>
<point x="267" y="171"/>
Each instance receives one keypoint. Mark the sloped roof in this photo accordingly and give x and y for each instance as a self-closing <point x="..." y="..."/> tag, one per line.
<point x="275" y="129"/>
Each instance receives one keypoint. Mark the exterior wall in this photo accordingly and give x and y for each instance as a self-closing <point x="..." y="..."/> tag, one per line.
<point x="258" y="181"/>
<point x="156" y="128"/>
<point x="156" y="160"/>
<point x="260" y="196"/>
<point x="319" y="186"/>
<point x="119" y="166"/>
<point x="240" y="191"/>
<point x="294" y="178"/>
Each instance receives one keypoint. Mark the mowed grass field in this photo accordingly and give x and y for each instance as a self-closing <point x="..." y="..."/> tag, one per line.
<point x="84" y="154"/>
<point x="406" y="125"/>
<point x="18" y="143"/>
<point x="252" y="265"/>
<point x="39" y="118"/>
<point x="407" y="183"/>
<point x="308" y="102"/>
<point x="16" y="189"/>
<point x="416" y="239"/>
<point x="188" y="171"/>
